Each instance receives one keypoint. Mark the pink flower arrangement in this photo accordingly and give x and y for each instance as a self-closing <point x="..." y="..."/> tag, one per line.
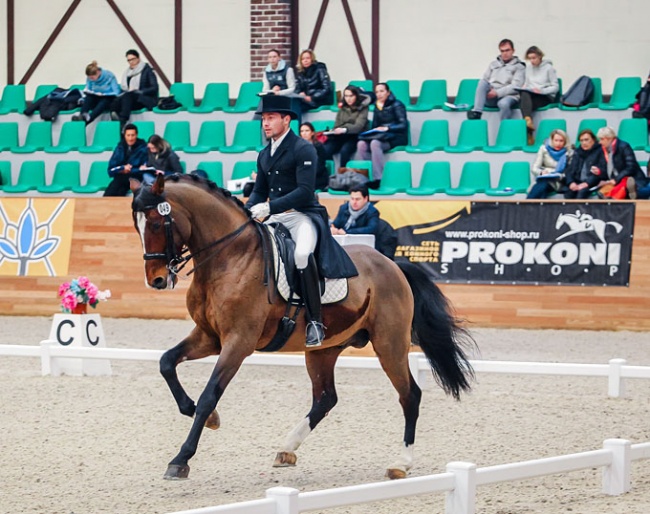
<point x="81" y="290"/>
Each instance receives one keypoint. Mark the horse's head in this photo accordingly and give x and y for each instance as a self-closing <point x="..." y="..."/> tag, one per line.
<point x="160" y="233"/>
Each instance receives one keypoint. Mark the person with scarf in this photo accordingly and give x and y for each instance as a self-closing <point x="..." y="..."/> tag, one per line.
<point x="550" y="165"/>
<point x="139" y="89"/>
<point x="623" y="170"/>
<point x="358" y="216"/>
<point x="587" y="170"/>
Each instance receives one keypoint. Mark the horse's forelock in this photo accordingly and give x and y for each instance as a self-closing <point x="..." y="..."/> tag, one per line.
<point x="144" y="199"/>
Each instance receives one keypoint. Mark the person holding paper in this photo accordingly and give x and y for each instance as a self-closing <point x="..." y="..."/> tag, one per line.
<point x="278" y="77"/>
<point x="100" y="92"/>
<point x="549" y="166"/>
<point x="129" y="154"/>
<point x="139" y="89"/>
<point x="389" y="129"/>
<point x="587" y="170"/>
<point x="160" y="159"/>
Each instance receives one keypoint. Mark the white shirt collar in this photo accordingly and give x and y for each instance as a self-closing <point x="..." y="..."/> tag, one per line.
<point x="277" y="142"/>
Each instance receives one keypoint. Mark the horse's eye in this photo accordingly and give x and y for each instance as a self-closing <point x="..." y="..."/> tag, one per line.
<point x="156" y="225"/>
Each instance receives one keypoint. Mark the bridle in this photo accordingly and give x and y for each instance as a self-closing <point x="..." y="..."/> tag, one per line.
<point x="175" y="261"/>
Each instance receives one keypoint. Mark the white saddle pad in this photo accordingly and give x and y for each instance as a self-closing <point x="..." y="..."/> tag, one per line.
<point x="335" y="289"/>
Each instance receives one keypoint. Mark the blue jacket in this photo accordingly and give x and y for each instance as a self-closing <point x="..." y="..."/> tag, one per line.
<point x="367" y="223"/>
<point x="136" y="157"/>
<point x="106" y="84"/>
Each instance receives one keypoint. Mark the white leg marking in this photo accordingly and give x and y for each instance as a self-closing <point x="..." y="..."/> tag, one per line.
<point x="405" y="460"/>
<point x="297" y="436"/>
<point x="142" y="221"/>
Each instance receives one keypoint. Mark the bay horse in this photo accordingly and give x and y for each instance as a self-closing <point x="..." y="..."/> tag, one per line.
<point x="235" y="313"/>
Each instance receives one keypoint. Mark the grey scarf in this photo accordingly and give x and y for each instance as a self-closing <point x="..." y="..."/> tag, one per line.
<point x="134" y="74"/>
<point x="354" y="215"/>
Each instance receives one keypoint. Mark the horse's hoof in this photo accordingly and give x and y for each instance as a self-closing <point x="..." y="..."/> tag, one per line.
<point x="285" y="459"/>
<point x="213" y="422"/>
<point x="176" y="472"/>
<point x="395" y="474"/>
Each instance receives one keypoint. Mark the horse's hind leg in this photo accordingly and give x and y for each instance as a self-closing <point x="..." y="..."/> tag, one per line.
<point x="320" y="366"/>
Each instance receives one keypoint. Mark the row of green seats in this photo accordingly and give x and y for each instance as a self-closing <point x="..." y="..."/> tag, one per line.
<point x="475" y="178"/>
<point x="473" y="135"/>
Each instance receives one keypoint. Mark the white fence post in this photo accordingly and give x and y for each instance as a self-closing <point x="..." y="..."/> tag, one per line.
<point x="616" y="476"/>
<point x="414" y="365"/>
<point x="616" y="387"/>
<point x="49" y="365"/>
<point x="286" y="499"/>
<point x="462" y="500"/>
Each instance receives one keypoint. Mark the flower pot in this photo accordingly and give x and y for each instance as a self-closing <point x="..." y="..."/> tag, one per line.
<point x="81" y="308"/>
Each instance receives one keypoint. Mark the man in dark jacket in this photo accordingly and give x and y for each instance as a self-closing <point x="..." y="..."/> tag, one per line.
<point x="623" y="169"/>
<point x="128" y="156"/>
<point x="284" y="189"/>
<point x="357" y="216"/>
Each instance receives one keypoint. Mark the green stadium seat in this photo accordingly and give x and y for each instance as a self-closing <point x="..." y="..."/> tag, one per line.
<point x="544" y="129"/>
<point x="72" y="137"/>
<point x="474" y="178"/>
<point x="596" y="98"/>
<point x="395" y="179"/>
<point x="332" y="105"/>
<point x="31" y="175"/>
<point x="592" y="124"/>
<point x="433" y="95"/>
<point x="436" y="178"/>
<point x="242" y="169"/>
<point x="464" y="99"/>
<point x="13" y="99"/>
<point x="473" y="135"/>
<point x="146" y="129"/>
<point x="634" y="131"/>
<point x="214" y="170"/>
<point x="212" y="136"/>
<point x="359" y="164"/>
<point x="511" y="136"/>
<point x="624" y="94"/>
<point x="434" y="135"/>
<point x="556" y="102"/>
<point x="76" y="109"/>
<point x="514" y="178"/>
<point x="107" y="135"/>
<point x="66" y="176"/>
<point x="247" y="98"/>
<point x="98" y="179"/>
<point x="5" y="173"/>
<point x="8" y="135"/>
<point x="401" y="89"/>
<point x="215" y="98"/>
<point x="43" y="90"/>
<point x="183" y="93"/>
<point x="177" y="134"/>
<point x="320" y="125"/>
<point x="39" y="135"/>
<point x="366" y="84"/>
<point x="248" y="136"/>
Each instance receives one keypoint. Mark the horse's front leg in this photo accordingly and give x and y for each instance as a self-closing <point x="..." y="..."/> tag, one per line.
<point x="320" y="366"/>
<point x="224" y="371"/>
<point x="196" y="346"/>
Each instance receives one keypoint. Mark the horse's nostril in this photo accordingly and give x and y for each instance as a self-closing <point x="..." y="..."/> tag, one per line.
<point x="159" y="283"/>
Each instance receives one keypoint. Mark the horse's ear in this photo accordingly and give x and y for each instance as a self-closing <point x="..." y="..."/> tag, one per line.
<point x="134" y="185"/>
<point x="158" y="186"/>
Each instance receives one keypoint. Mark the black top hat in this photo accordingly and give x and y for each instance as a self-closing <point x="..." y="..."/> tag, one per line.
<point x="276" y="103"/>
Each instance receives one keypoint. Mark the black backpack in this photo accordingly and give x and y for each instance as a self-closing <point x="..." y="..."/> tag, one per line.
<point x="386" y="239"/>
<point x="580" y="93"/>
<point x="168" y="103"/>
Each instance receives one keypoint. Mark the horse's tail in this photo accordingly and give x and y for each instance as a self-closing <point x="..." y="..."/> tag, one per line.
<point x="439" y="333"/>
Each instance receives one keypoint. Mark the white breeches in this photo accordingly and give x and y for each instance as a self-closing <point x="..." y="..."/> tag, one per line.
<point x="303" y="232"/>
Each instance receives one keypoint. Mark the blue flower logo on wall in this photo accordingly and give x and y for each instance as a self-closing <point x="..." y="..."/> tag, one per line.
<point x="29" y="241"/>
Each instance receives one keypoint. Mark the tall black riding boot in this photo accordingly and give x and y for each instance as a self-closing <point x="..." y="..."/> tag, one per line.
<point x="310" y="286"/>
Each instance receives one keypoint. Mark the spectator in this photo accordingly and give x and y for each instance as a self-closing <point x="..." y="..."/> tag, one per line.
<point x="390" y="129"/>
<point x="641" y="108"/>
<point x="160" y="159"/>
<point x="550" y="165"/>
<point x="278" y="78"/>
<point x="587" y="169"/>
<point x="313" y="83"/>
<point x="500" y="83"/>
<point x="351" y="120"/>
<point x="540" y="87"/>
<point x="308" y="133"/>
<point x="139" y="88"/>
<point x="643" y="193"/>
<point x="623" y="170"/>
<point x="357" y="216"/>
<point x="129" y="154"/>
<point x="100" y="92"/>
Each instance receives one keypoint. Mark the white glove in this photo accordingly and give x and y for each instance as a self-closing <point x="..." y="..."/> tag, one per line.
<point x="261" y="210"/>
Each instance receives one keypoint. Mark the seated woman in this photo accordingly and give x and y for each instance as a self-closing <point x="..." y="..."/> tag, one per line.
<point x="625" y="174"/>
<point x="351" y="120"/>
<point x="160" y="159"/>
<point x="139" y="88"/>
<point x="313" y="83"/>
<point x="587" y="169"/>
<point x="100" y="92"/>
<point x="308" y="133"/>
<point x="540" y="87"/>
<point x="550" y="165"/>
<point x="390" y="129"/>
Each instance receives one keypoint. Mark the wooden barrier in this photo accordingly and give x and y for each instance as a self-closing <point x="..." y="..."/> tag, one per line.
<point x="106" y="248"/>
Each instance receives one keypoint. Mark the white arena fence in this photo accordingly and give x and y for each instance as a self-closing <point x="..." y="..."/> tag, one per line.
<point x="616" y="370"/>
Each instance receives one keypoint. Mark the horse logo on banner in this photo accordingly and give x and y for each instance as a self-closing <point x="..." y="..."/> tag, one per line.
<point x="585" y="223"/>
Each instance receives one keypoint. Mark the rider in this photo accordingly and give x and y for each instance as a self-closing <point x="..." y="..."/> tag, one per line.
<point x="284" y="188"/>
